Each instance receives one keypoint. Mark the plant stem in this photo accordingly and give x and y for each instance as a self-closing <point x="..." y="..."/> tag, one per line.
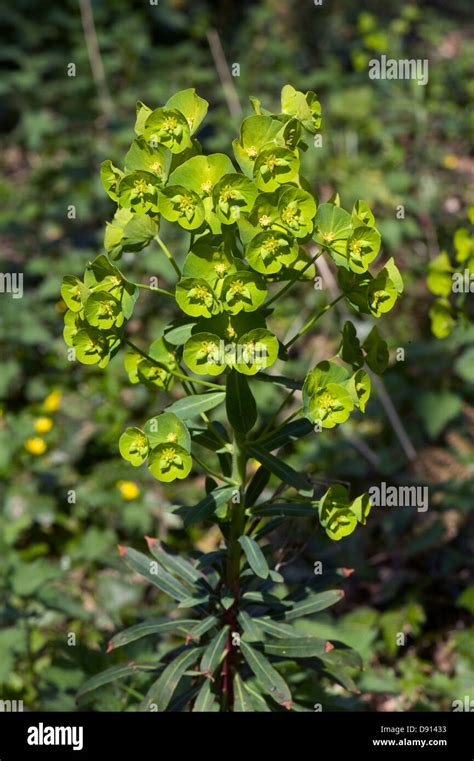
<point x="168" y="255"/>
<point x="312" y="320"/>
<point x="239" y="463"/>
<point x="213" y="473"/>
<point x="155" y="290"/>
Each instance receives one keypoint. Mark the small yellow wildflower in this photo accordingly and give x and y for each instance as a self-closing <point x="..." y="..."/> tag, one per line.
<point x="52" y="401"/>
<point x="128" y="489"/>
<point x="35" y="445"/>
<point x="450" y="161"/>
<point x="43" y="424"/>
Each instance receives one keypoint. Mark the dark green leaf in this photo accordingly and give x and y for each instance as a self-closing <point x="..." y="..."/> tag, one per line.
<point x="255" y="556"/>
<point x="268" y="678"/>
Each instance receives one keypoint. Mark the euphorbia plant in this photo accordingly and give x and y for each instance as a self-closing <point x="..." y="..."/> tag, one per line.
<point x="250" y="229"/>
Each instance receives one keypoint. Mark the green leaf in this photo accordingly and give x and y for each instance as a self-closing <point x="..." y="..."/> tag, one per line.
<point x="442" y="318"/>
<point x="215" y="652"/>
<point x="202" y="173"/>
<point x="255" y="132"/>
<point x="377" y="352"/>
<point x="152" y="572"/>
<point x="167" y="428"/>
<point x="191" y="105"/>
<point x="437" y="409"/>
<point x="255" y="556"/>
<point x="296" y="647"/>
<point x="286" y="510"/>
<point x="464" y="366"/>
<point x="157" y="626"/>
<point x="359" y="387"/>
<point x="314" y="603"/>
<point x="292" y="431"/>
<point x="241" y="407"/>
<point x="112" y="674"/>
<point x="110" y="177"/>
<point x="191" y="406"/>
<point x="284" y="472"/>
<point x="335" y="514"/>
<point x="242" y="702"/>
<point x="305" y="107"/>
<point x="256" y="486"/>
<point x="279" y="630"/>
<point x="142" y="157"/>
<point x="206" y="700"/>
<point x="161" y="692"/>
<point x="133" y="446"/>
<point x="174" y="563"/>
<point x="205" y="509"/>
<point x="197" y="631"/>
<point x="74" y="293"/>
<point x="268" y="678"/>
<point x="250" y="626"/>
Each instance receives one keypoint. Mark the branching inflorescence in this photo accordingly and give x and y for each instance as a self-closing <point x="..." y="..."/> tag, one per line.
<point x="250" y="232"/>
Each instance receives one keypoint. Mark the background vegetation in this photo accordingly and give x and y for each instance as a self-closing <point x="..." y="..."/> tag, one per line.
<point x="67" y="496"/>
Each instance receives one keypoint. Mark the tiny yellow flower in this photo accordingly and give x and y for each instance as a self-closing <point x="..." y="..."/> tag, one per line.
<point x="35" y="445"/>
<point x="43" y="424"/>
<point x="52" y="401"/>
<point x="128" y="489"/>
<point x="450" y="161"/>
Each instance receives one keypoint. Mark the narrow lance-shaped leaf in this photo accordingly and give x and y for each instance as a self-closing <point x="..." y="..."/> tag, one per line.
<point x="314" y="603"/>
<point x="114" y="673"/>
<point x="155" y="626"/>
<point x="191" y="406"/>
<point x="240" y="403"/>
<point x="174" y="563"/>
<point x="161" y="692"/>
<point x="279" y="468"/>
<point x="242" y="702"/>
<point x="206" y="700"/>
<point x="204" y="510"/>
<point x="297" y="647"/>
<point x="268" y="678"/>
<point x="214" y="652"/>
<point x="255" y="556"/>
<point x="153" y="572"/>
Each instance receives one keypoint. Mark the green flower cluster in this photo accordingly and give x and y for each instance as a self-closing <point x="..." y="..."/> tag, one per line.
<point x="248" y="229"/>
<point x="450" y="283"/>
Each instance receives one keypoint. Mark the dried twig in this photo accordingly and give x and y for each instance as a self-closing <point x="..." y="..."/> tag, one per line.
<point x="95" y="58"/>
<point x="222" y="68"/>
